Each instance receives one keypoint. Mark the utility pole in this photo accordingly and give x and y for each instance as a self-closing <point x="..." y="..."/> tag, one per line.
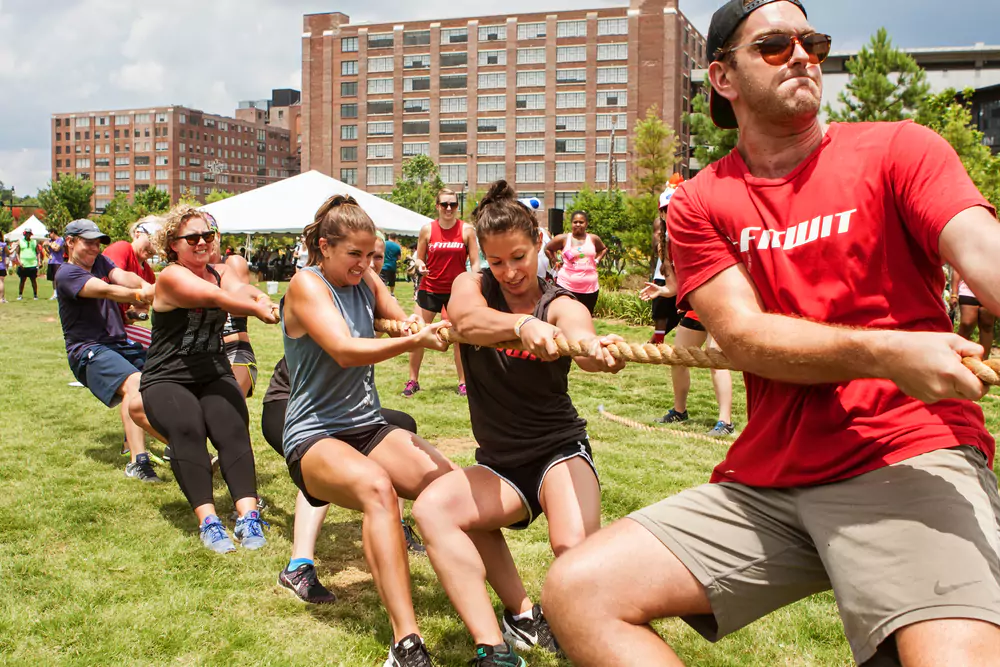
<point x="612" y="165"/>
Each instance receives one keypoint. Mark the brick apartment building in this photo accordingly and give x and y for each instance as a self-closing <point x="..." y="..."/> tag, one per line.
<point x="177" y="149"/>
<point x="539" y="99"/>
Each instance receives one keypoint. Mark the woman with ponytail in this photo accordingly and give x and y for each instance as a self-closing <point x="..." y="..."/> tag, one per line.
<point x="533" y="454"/>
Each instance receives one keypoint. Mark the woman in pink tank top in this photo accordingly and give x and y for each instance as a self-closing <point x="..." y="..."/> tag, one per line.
<point x="578" y="255"/>
<point x="972" y="314"/>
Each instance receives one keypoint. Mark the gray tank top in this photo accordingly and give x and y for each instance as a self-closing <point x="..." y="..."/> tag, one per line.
<point x="325" y="398"/>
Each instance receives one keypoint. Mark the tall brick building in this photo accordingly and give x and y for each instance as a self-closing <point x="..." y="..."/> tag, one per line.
<point x="533" y="98"/>
<point x="174" y="148"/>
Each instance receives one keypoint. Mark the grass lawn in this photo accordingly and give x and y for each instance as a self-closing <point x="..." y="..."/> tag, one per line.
<point x="97" y="569"/>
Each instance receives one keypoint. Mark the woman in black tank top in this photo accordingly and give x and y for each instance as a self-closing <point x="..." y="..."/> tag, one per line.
<point x="187" y="390"/>
<point x="533" y="453"/>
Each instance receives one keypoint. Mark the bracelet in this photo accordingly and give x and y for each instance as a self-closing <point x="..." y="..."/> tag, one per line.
<point x="521" y="322"/>
<point x="138" y="296"/>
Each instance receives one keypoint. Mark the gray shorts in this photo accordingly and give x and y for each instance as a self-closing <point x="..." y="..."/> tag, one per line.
<point x="911" y="542"/>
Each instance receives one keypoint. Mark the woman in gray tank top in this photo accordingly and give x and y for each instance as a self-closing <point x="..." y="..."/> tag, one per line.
<point x="338" y="447"/>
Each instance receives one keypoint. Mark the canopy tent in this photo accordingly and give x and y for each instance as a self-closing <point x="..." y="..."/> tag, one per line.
<point x="286" y="207"/>
<point x="32" y="223"/>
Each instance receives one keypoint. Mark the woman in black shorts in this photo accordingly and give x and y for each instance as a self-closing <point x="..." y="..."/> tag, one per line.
<point x="972" y="314"/>
<point x="188" y="391"/>
<point x="533" y="455"/>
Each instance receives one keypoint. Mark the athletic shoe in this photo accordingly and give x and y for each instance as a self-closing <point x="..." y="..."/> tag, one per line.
<point x="167" y="454"/>
<point x="304" y="584"/>
<point x="52" y="298"/>
<point x="261" y="506"/>
<point x="525" y="633"/>
<point x="413" y="542"/>
<point x="214" y="536"/>
<point x="412" y="387"/>
<point x="35" y="298"/>
<point x="673" y="417"/>
<point x="722" y="428"/>
<point x="409" y="652"/>
<point x="461" y="390"/>
<point x="20" y="298"/>
<point x="250" y="530"/>
<point x="142" y="469"/>
<point x="501" y="655"/>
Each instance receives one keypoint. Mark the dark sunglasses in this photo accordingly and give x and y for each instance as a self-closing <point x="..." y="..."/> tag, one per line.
<point x="448" y="204"/>
<point x="192" y="239"/>
<point x="777" y="49"/>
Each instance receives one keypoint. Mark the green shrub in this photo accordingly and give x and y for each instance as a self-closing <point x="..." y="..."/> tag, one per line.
<point x="625" y="306"/>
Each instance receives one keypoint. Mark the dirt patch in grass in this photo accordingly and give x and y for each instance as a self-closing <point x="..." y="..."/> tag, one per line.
<point x="452" y="446"/>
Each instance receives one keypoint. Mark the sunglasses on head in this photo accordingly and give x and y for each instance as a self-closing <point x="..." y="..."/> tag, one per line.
<point x="777" y="49"/>
<point x="448" y="204"/>
<point x="192" y="239"/>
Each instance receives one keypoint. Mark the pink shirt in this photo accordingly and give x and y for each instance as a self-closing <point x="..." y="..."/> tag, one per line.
<point x="579" y="270"/>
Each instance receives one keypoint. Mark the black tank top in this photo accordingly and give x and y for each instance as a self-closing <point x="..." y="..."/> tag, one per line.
<point x="187" y="346"/>
<point x="519" y="405"/>
<point x="234" y="325"/>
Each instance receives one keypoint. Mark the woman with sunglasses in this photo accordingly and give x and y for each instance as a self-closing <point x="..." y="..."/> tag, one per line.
<point x="578" y="254"/>
<point x="187" y="389"/>
<point x="443" y="248"/>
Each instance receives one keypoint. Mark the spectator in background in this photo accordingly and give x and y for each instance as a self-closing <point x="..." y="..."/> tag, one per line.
<point x="392" y="252"/>
<point x="54" y="248"/>
<point x="28" y="255"/>
<point x="132" y="256"/>
<point x="3" y="270"/>
<point x="300" y="255"/>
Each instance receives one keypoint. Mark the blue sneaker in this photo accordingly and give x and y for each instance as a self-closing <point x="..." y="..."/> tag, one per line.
<point x="722" y="428"/>
<point x="673" y="417"/>
<point x="214" y="536"/>
<point x="250" y="530"/>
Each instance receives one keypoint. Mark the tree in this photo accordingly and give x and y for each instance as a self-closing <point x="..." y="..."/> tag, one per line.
<point x="66" y="199"/>
<point x="418" y="186"/>
<point x="217" y="195"/>
<point x="6" y="221"/>
<point x="710" y="142"/>
<point x="119" y="214"/>
<point x="885" y="84"/>
<point x="152" y="200"/>
<point x="655" y="148"/>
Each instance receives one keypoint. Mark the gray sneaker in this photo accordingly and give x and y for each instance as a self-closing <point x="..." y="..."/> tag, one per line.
<point x="250" y="530"/>
<point x="722" y="428"/>
<point x="142" y="469"/>
<point x="214" y="536"/>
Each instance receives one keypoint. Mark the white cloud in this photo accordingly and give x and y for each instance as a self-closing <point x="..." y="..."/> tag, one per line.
<point x="141" y="77"/>
<point x="25" y="165"/>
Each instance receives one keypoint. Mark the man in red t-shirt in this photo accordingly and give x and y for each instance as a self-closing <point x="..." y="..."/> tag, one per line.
<point x="132" y="256"/>
<point x="813" y="253"/>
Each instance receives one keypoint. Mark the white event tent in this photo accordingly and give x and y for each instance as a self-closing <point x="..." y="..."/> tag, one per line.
<point x="288" y="206"/>
<point x="32" y="223"/>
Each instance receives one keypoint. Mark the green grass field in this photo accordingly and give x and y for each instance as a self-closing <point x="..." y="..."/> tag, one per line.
<point x="97" y="569"/>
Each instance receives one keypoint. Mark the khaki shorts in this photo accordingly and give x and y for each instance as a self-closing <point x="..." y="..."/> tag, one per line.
<point x="910" y="542"/>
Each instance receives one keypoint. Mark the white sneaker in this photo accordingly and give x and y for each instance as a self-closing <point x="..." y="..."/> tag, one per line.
<point x="52" y="298"/>
<point x="20" y="298"/>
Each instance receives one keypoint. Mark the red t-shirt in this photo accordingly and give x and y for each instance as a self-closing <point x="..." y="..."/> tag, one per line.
<point x="446" y="255"/>
<point x="123" y="255"/>
<point x="850" y="237"/>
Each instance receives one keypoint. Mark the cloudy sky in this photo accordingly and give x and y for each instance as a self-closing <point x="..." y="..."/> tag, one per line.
<point x="76" y="55"/>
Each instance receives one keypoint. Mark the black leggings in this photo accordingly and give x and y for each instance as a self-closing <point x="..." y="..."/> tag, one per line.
<point x="272" y="423"/>
<point x="589" y="299"/>
<point x="187" y="414"/>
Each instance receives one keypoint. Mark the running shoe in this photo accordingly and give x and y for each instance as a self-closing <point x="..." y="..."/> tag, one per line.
<point x="722" y="428"/>
<point x="214" y="536"/>
<point x="501" y="655"/>
<point x="461" y="390"/>
<point x="409" y="652"/>
<point x="142" y="469"/>
<point x="412" y="387"/>
<point x="250" y="530"/>
<point x="20" y="298"/>
<point x="673" y="417"/>
<point x="234" y="516"/>
<point x="305" y="585"/>
<point x="413" y="542"/>
<point x="525" y="633"/>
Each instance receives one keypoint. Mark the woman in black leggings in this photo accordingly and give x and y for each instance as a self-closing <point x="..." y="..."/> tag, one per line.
<point x="188" y="390"/>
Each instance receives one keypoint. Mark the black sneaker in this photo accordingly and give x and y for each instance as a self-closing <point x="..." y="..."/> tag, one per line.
<point x="529" y="632"/>
<point x="673" y="417"/>
<point x="413" y="542"/>
<point x="167" y="454"/>
<point x="501" y="655"/>
<point x="142" y="469"/>
<point x="409" y="652"/>
<point x="305" y="585"/>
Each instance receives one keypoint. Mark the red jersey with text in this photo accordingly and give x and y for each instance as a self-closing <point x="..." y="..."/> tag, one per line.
<point x="850" y="237"/>
<point x="446" y="255"/>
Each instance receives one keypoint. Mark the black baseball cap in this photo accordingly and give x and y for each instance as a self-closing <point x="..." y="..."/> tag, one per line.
<point x="725" y="21"/>
<point x="86" y="229"/>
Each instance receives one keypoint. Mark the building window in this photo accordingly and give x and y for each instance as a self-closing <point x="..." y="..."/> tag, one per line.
<point x="612" y="75"/>
<point x="570" y="172"/>
<point x="417" y="38"/>
<point x="571" y="76"/>
<point x="380" y="129"/>
<point x="492" y="58"/>
<point x="349" y="176"/>
<point x="380" y="107"/>
<point x="571" y="100"/>
<point x="102" y="176"/>
<point x="454" y="59"/>
<point x="416" y="127"/>
<point x="571" y="123"/>
<point x="417" y="105"/>
<point x="492" y="33"/>
<point x="453" y="148"/>
<point x="416" y="148"/>
<point x="571" y="145"/>
<point x="380" y="175"/>
<point x="531" y="101"/>
<point x="83" y="121"/>
<point x="491" y="103"/>
<point x="162" y="174"/>
<point x="379" y="151"/>
<point x="122" y="161"/>
<point x="422" y="61"/>
<point x="612" y="27"/>
<point x="349" y="110"/>
<point x="380" y="64"/>
<point x="571" y="29"/>
<point x="348" y="44"/>
<point x="122" y="175"/>
<point x="349" y="89"/>
<point x="453" y="126"/>
<point x="530" y="147"/>
<point x="161" y="160"/>
<point x="412" y="83"/>
<point x="564" y="200"/>
<point x="123" y="120"/>
<point x="571" y="54"/>
<point x="491" y="171"/>
<point x="612" y="98"/>
<point x="348" y="153"/>
<point x="160" y="118"/>
<point x="83" y="163"/>
<point x="453" y="173"/>
<point x="142" y="175"/>
<point x="382" y="40"/>
<point x="494" y="148"/>
<point x="348" y="67"/>
<point x="348" y="131"/>
<point x="603" y="143"/>
<point x="142" y="160"/>
<point x="102" y="190"/>
<point x="612" y="51"/>
<point x="489" y="125"/>
<point x="602" y="172"/>
<point x="529" y="172"/>
<point x="530" y="124"/>
<point x="454" y="104"/>
<point x="606" y="121"/>
<point x="379" y="86"/>
<point x="531" y="79"/>
<point x="454" y="35"/>
<point x="531" y="30"/>
<point x="496" y="80"/>
<point x="531" y="56"/>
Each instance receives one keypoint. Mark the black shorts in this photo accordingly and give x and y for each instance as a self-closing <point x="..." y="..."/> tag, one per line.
<point x="693" y="325"/>
<point x="3" y="273"/>
<point x="388" y="276"/>
<point x="527" y="479"/>
<point x="31" y="273"/>
<point x="663" y="306"/>
<point x="50" y="271"/>
<point x="431" y="301"/>
<point x="240" y="353"/>
<point x="363" y="440"/>
<point x="968" y="301"/>
<point x="589" y="299"/>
